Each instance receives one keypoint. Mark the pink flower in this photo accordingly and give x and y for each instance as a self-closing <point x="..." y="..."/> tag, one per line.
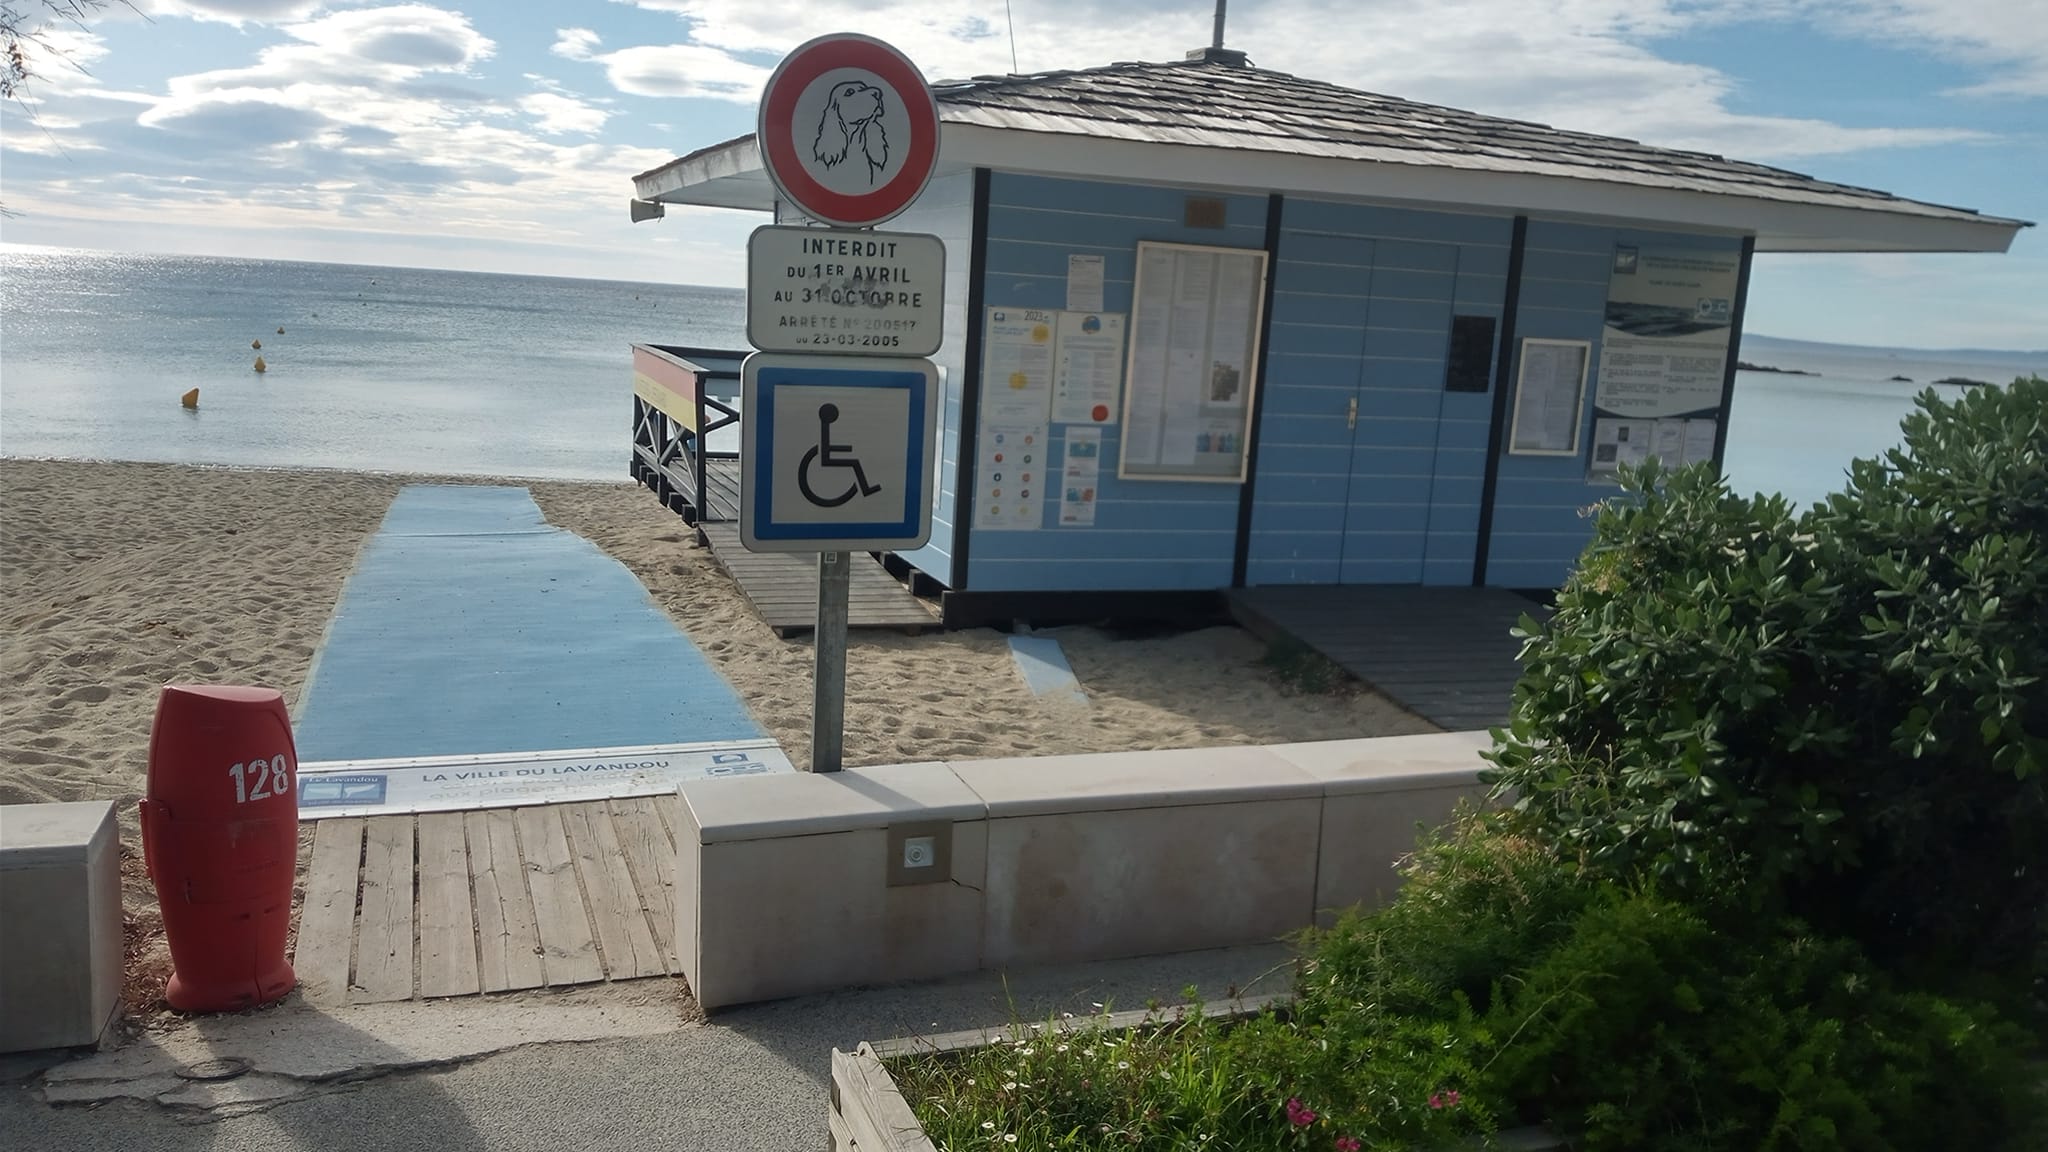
<point x="1298" y="1114"/>
<point x="1347" y="1144"/>
<point x="1444" y="1099"/>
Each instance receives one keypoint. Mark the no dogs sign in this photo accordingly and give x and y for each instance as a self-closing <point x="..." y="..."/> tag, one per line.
<point x="848" y="130"/>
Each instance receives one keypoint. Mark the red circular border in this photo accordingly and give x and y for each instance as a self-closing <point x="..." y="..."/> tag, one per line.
<point x="778" y="147"/>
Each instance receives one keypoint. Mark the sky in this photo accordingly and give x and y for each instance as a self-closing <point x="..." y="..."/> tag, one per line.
<point x="501" y="135"/>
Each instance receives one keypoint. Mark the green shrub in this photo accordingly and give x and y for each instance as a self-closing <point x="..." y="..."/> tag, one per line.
<point x="1648" y="1031"/>
<point x="1505" y="986"/>
<point x="1943" y="555"/>
<point x="1841" y="716"/>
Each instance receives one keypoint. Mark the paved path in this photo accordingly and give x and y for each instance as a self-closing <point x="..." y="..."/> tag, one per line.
<point x="755" y="1079"/>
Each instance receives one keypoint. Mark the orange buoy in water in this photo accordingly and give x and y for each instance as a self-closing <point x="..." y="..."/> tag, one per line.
<point x="255" y="343"/>
<point x="190" y="399"/>
<point x="261" y="366"/>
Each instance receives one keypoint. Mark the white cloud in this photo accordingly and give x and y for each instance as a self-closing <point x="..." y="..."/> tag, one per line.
<point x="2005" y="40"/>
<point x="380" y="120"/>
<point x="235" y="12"/>
<point x="683" y="70"/>
<point x="1589" y="65"/>
<point x="556" y="114"/>
<point x="575" y="43"/>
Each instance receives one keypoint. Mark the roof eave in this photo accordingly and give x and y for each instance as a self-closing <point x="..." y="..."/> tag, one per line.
<point x="729" y="175"/>
<point x="725" y="175"/>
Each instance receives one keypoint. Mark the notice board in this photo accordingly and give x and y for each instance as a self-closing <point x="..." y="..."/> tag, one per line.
<point x="1550" y="397"/>
<point x="1192" y="362"/>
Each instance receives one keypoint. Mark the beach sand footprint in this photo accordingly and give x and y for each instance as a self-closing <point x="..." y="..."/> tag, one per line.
<point x="90" y="694"/>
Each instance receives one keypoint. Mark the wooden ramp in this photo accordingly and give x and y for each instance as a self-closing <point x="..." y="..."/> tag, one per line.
<point x="1443" y="653"/>
<point x="783" y="587"/>
<point x="458" y="903"/>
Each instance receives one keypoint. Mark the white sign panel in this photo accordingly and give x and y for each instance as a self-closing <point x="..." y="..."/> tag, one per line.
<point x="1011" y="477"/>
<point x="1084" y="283"/>
<point x="514" y="779"/>
<point x="1016" y="368"/>
<point x="835" y="453"/>
<point x="856" y="293"/>
<point x="1088" y="379"/>
<point x="1550" y="394"/>
<point x="1664" y="346"/>
<point x="1193" y="362"/>
<point x="1080" y="476"/>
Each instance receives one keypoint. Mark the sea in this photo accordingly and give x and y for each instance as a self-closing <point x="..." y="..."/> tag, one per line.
<point x="464" y="373"/>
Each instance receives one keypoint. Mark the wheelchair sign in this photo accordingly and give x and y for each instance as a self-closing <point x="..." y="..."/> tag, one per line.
<point x="835" y="453"/>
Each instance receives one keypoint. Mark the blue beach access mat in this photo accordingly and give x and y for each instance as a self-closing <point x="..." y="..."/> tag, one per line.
<point x="481" y="657"/>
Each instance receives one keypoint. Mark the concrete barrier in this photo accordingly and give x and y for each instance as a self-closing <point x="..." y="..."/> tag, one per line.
<point x="60" y="923"/>
<point x="792" y="884"/>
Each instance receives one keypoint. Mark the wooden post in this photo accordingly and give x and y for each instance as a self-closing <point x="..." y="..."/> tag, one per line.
<point x="828" y="704"/>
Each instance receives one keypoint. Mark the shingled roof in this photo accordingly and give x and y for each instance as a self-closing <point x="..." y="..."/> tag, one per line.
<point x="1215" y="102"/>
<point x="1213" y="105"/>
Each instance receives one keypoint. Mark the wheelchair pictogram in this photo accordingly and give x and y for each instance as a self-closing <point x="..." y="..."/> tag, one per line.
<point x="825" y="455"/>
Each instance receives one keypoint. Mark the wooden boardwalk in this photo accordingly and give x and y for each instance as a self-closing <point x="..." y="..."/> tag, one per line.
<point x="783" y="587"/>
<point x="1443" y="653"/>
<point x="459" y="903"/>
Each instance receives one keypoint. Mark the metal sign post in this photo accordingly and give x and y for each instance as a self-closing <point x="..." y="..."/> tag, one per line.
<point x="828" y="696"/>
<point x="838" y="405"/>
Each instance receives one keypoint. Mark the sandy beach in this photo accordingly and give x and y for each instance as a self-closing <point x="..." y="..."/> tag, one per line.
<point x="120" y="577"/>
<point x="116" y="578"/>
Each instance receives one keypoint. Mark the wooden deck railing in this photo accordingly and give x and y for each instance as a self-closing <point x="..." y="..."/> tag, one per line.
<point x="674" y="417"/>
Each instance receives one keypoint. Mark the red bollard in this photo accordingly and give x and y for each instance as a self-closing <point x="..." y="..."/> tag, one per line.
<point x="220" y="836"/>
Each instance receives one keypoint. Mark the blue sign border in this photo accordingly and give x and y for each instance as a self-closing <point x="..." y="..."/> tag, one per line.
<point x="770" y="378"/>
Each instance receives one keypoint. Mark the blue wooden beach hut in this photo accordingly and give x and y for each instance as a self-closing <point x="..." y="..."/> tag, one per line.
<point x="1255" y="333"/>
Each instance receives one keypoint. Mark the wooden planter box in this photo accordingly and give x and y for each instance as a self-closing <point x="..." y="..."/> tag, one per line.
<point x="869" y="1114"/>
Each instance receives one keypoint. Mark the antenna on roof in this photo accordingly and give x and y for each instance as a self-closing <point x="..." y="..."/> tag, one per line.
<point x="1012" y="22"/>
<point x="1216" y="53"/>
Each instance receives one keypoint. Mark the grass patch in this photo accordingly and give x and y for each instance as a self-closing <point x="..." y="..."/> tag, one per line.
<point x="1303" y="671"/>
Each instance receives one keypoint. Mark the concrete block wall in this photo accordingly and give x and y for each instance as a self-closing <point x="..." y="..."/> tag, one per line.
<point x="60" y="923"/>
<point x="794" y="884"/>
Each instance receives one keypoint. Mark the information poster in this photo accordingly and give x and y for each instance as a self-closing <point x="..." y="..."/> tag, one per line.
<point x="1016" y="375"/>
<point x="1088" y="371"/>
<point x="1084" y="283"/>
<point x="1550" y="392"/>
<point x="1664" y="346"/>
<point x="1193" y="361"/>
<point x="1082" y="468"/>
<point x="1674" y="444"/>
<point x="1010" y="477"/>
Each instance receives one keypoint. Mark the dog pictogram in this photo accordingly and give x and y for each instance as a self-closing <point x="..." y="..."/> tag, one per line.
<point x="852" y="123"/>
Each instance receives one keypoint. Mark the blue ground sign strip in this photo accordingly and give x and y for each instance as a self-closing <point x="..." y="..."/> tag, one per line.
<point x="1045" y="670"/>
<point x="470" y="625"/>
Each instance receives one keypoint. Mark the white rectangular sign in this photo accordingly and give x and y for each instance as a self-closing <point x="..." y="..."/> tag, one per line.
<point x="852" y="293"/>
<point x="835" y="453"/>
<point x="516" y="779"/>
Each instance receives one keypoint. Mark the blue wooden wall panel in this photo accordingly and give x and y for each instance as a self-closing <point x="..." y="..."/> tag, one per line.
<point x="1302" y="339"/>
<point x="1147" y="534"/>
<point x="1293" y="306"/>
<point x="1539" y="527"/>
<point x="1370" y="222"/>
<point x="1365" y="295"/>
<point x="946" y="210"/>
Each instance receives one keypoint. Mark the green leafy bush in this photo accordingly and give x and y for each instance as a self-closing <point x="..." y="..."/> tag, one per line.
<point x="1840" y="715"/>
<point x="1648" y="1031"/>
<point x="1507" y="986"/>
